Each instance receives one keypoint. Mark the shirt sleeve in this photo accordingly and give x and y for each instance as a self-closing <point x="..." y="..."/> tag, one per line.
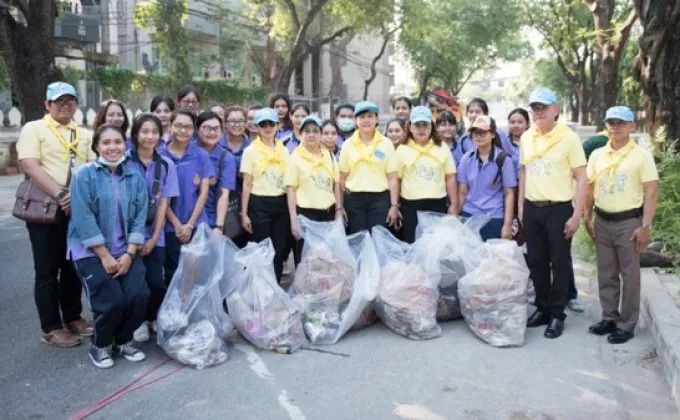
<point x="462" y="170"/>
<point x="171" y="184"/>
<point x="591" y="169"/>
<point x="291" y="178"/>
<point x="87" y="136"/>
<point x="344" y="158"/>
<point x="228" y="175"/>
<point x="648" y="171"/>
<point x="247" y="161"/>
<point x="449" y="166"/>
<point x="577" y="157"/>
<point x="392" y="164"/>
<point x="508" y="173"/>
<point x="28" y="145"/>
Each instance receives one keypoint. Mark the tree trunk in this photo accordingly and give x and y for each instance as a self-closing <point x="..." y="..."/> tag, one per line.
<point x="574" y="107"/>
<point x="374" y="73"/>
<point x="29" y="55"/>
<point x="607" y="86"/>
<point x="583" y="100"/>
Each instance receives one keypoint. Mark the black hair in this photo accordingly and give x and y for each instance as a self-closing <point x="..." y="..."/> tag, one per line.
<point x="101" y="130"/>
<point x="493" y="128"/>
<point x="186" y="112"/>
<point x="255" y="107"/>
<point x="521" y="111"/>
<point x="330" y="122"/>
<point x="299" y="106"/>
<point x="159" y="99"/>
<point x="341" y="107"/>
<point x="206" y="116"/>
<point x="286" y="123"/>
<point x="139" y="122"/>
<point x="447" y="116"/>
<point x="433" y="134"/>
<point x="100" y="119"/>
<point x="480" y="103"/>
<point x="186" y="90"/>
<point x="403" y="99"/>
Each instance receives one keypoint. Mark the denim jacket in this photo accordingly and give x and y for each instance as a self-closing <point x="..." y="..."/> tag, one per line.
<point x="94" y="209"/>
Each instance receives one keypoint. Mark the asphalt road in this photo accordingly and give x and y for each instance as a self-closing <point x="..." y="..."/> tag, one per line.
<point x="370" y="374"/>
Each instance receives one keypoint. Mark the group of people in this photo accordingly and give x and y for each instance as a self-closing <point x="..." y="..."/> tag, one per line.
<point x="131" y="201"/>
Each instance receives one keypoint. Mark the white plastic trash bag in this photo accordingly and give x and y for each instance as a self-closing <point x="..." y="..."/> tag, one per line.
<point x="494" y="296"/>
<point x="336" y="280"/>
<point x="407" y="294"/>
<point x="192" y="323"/>
<point x="263" y="312"/>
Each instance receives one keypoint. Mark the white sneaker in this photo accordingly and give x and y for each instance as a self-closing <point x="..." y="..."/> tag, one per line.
<point x="101" y="357"/>
<point x="130" y="353"/>
<point x="576" y="305"/>
<point x="141" y="334"/>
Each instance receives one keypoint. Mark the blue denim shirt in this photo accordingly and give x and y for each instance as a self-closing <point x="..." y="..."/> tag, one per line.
<point x="94" y="207"/>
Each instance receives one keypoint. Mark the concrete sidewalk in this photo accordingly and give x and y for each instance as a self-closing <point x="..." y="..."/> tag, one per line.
<point x="8" y="187"/>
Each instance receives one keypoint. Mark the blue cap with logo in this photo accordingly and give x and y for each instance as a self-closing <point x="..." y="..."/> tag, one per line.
<point x="266" y="114"/>
<point x="365" y="106"/>
<point x="58" y="89"/>
<point x="622" y="113"/>
<point x="543" y="96"/>
<point x="311" y="119"/>
<point x="421" y="114"/>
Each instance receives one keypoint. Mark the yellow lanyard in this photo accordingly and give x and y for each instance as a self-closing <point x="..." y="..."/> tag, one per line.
<point x="317" y="163"/>
<point x="366" y="153"/>
<point x="271" y="156"/>
<point x="613" y="159"/>
<point x="554" y="138"/>
<point x="423" y="151"/>
<point x="69" y="146"/>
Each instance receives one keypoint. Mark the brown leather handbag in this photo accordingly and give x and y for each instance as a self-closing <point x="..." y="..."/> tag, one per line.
<point x="34" y="205"/>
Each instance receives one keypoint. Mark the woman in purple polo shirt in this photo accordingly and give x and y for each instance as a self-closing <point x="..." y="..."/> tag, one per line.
<point x="161" y="181"/>
<point x="447" y="130"/>
<point x="112" y="112"/>
<point x="297" y="114"/>
<point x="194" y="171"/>
<point x="487" y="181"/>
<point x="163" y="106"/>
<point x="280" y="102"/>
<point x="209" y="133"/>
<point x="109" y="205"/>
<point x="518" y="123"/>
<point x="236" y="140"/>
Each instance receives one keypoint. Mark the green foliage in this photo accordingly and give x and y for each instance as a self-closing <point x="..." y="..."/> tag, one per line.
<point x="540" y="72"/>
<point x="667" y="221"/>
<point x="630" y="93"/>
<point x="584" y="246"/>
<point x="4" y="76"/>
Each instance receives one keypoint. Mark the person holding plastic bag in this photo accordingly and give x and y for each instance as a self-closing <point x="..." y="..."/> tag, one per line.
<point x="407" y="294"/>
<point x="312" y="184"/>
<point x="263" y="312"/>
<point x="427" y="173"/>
<point x="336" y="280"/>
<point x="192" y="323"/>
<point x="493" y="296"/>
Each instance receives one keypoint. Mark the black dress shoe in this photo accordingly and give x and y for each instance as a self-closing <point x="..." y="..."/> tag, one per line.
<point x="555" y="328"/>
<point x="603" y="327"/>
<point x="620" y="336"/>
<point x="537" y="319"/>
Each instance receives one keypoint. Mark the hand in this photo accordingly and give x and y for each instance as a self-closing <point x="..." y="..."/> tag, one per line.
<point x="295" y="231"/>
<point x="641" y="238"/>
<point x="148" y="247"/>
<point x="245" y="222"/>
<point x="453" y="210"/>
<point x="520" y="215"/>
<point x="572" y="226"/>
<point x="393" y="217"/>
<point x="590" y="228"/>
<point x="341" y="215"/>
<point x="184" y="234"/>
<point x="217" y="231"/>
<point x="124" y="262"/>
<point x="65" y="203"/>
<point x="110" y="264"/>
<point x="506" y="231"/>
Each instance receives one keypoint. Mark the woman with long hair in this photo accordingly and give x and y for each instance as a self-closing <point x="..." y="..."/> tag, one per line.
<point x="395" y="130"/>
<point x="518" y="124"/>
<point x="402" y="108"/>
<point x="298" y="113"/>
<point x="329" y="137"/>
<point x="163" y="106"/>
<point x="280" y="102"/>
<point x="112" y="112"/>
<point x="447" y="129"/>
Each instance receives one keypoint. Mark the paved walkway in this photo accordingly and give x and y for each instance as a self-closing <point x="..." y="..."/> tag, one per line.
<point x="8" y="187"/>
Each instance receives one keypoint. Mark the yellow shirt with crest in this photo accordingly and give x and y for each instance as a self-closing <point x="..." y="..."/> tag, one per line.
<point x="267" y="166"/>
<point x="423" y="170"/>
<point x="367" y="166"/>
<point x="313" y="177"/>
<point x="618" y="176"/>
<point x="549" y="160"/>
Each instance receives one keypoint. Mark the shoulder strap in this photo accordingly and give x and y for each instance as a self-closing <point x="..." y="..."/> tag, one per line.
<point x="156" y="186"/>
<point x="500" y="160"/>
<point x="71" y="162"/>
<point x="220" y="163"/>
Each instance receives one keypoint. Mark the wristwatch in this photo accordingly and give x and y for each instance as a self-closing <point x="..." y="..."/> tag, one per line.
<point x="220" y="227"/>
<point x="647" y="226"/>
<point x="60" y="196"/>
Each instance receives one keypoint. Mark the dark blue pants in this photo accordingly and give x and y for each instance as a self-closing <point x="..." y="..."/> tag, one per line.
<point x="173" y="248"/>
<point x="155" y="281"/>
<point x="409" y="213"/>
<point x="491" y="230"/>
<point x="270" y="219"/>
<point x="118" y="305"/>
<point x="366" y="210"/>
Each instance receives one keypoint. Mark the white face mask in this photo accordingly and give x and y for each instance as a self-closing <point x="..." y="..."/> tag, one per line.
<point x="346" y="124"/>
<point x="110" y="164"/>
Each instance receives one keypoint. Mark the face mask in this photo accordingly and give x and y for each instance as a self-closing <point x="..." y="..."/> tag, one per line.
<point x="107" y="163"/>
<point x="346" y="124"/>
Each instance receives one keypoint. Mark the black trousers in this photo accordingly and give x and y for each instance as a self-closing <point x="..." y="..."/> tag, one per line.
<point x="57" y="287"/>
<point x="548" y="249"/>
<point x="409" y="213"/>
<point x="327" y="215"/>
<point x="155" y="281"/>
<point x="366" y="210"/>
<point x="270" y="219"/>
<point x="118" y="305"/>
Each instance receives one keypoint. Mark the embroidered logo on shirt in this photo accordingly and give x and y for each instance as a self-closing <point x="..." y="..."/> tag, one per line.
<point x="273" y="179"/>
<point x="539" y="167"/>
<point x="322" y="182"/>
<point x="617" y="185"/>
<point x="425" y="172"/>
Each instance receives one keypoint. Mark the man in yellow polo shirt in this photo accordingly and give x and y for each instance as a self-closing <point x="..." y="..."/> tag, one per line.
<point x="551" y="158"/>
<point x="623" y="189"/>
<point x="47" y="148"/>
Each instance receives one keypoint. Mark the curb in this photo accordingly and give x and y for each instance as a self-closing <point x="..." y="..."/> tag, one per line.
<point x="664" y="323"/>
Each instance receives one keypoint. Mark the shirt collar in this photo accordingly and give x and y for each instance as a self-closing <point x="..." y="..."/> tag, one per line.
<point x="133" y="156"/>
<point x="492" y="156"/>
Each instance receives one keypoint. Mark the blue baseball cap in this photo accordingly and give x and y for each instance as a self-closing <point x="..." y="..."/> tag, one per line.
<point x="365" y="106"/>
<point x="543" y="96"/>
<point x="58" y="89"/>
<point x="311" y="119"/>
<point x="622" y="113"/>
<point x="266" y="114"/>
<point x="421" y="114"/>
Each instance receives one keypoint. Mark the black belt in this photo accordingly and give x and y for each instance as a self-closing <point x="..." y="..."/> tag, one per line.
<point x="546" y="203"/>
<point x="617" y="217"/>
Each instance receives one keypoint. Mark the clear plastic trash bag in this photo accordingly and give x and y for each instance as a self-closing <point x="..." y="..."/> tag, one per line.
<point x="263" y="312"/>
<point x="192" y="324"/>
<point x="494" y="296"/>
<point x="459" y="249"/>
<point x="336" y="280"/>
<point x="407" y="293"/>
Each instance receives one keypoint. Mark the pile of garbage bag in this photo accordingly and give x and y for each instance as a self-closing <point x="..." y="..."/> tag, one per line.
<point x="335" y="281"/>
<point x="263" y="312"/>
<point x="459" y="249"/>
<point x="407" y="294"/>
<point x="192" y="324"/>
<point x="494" y="296"/>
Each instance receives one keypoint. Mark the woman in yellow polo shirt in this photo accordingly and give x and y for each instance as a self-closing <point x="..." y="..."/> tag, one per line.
<point x="368" y="174"/>
<point x="265" y="211"/>
<point x="427" y="172"/>
<point x="311" y="178"/>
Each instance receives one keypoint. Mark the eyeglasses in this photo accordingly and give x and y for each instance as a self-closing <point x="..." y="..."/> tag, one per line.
<point x="264" y="124"/>
<point x="311" y="131"/>
<point x="180" y="127"/>
<point x="209" y="129"/>
<point x="64" y="101"/>
<point x="479" y="133"/>
<point x="538" y="107"/>
<point x="236" y="122"/>
<point x="188" y="102"/>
